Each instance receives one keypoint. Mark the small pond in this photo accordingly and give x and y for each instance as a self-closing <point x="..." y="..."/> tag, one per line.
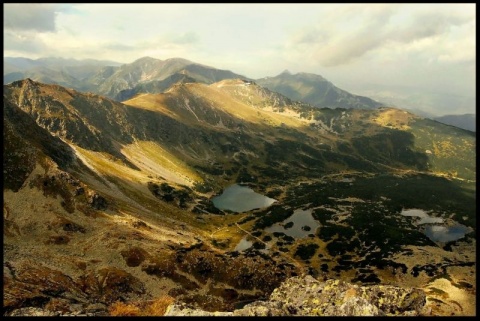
<point x="239" y="199"/>
<point x="425" y="218"/>
<point x="243" y="245"/>
<point x="438" y="233"/>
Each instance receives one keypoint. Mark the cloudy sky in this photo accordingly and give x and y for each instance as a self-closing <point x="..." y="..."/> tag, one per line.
<point x="430" y="47"/>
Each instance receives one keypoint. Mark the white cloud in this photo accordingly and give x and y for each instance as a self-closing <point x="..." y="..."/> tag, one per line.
<point x="425" y="45"/>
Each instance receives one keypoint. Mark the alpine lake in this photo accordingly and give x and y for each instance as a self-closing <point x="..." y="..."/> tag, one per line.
<point x="356" y="226"/>
<point x="301" y="223"/>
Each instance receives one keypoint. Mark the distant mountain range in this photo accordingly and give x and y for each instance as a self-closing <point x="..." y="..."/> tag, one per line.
<point x="423" y="102"/>
<point x="114" y="80"/>
<point x="65" y="72"/>
<point x="149" y="75"/>
<point x="315" y="90"/>
<point x="467" y="121"/>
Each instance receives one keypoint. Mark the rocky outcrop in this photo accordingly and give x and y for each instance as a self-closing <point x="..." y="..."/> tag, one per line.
<point x="297" y="296"/>
<point x="35" y="290"/>
<point x="306" y="296"/>
<point x="98" y="202"/>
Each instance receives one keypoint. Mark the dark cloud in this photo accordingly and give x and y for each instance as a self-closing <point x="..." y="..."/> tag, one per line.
<point x="29" y="16"/>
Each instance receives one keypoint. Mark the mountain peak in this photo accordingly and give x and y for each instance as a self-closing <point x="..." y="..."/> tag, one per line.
<point x="286" y="72"/>
<point x="26" y="81"/>
<point x="178" y="59"/>
<point x="145" y="59"/>
<point x="315" y="90"/>
<point x="309" y="74"/>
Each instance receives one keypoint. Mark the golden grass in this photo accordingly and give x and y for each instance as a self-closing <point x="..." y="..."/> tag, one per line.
<point x="157" y="307"/>
<point x="151" y="157"/>
<point x="219" y="98"/>
<point x="152" y="102"/>
<point x="105" y="164"/>
<point x="394" y="118"/>
<point x="118" y="309"/>
<point x="444" y="149"/>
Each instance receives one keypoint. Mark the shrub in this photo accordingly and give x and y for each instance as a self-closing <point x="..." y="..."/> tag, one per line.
<point x="122" y="309"/>
<point x="157" y="307"/>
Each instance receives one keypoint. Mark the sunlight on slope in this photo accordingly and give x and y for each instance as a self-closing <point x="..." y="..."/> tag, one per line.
<point x="394" y="118"/>
<point x="224" y="99"/>
<point x="149" y="157"/>
<point x="153" y="102"/>
<point x="129" y="188"/>
<point x="175" y="103"/>
<point x="154" y="160"/>
<point x="105" y="164"/>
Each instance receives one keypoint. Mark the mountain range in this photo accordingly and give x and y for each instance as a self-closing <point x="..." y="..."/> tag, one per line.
<point x="111" y="172"/>
<point x="467" y="121"/>
<point x="114" y="80"/>
<point x="420" y="101"/>
<point x="315" y="90"/>
<point x="149" y="75"/>
<point x="108" y="201"/>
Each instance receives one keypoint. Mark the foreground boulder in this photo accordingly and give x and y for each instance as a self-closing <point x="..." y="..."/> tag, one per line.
<point x="306" y="296"/>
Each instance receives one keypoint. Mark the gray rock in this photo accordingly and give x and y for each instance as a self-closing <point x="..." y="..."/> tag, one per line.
<point x="184" y="310"/>
<point x="33" y="312"/>
<point x="96" y="307"/>
<point x="306" y="296"/>
<point x="260" y="308"/>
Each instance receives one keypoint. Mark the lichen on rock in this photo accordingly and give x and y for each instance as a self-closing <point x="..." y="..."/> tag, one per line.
<point x="307" y="296"/>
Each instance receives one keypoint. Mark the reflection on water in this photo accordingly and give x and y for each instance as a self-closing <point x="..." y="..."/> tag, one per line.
<point x="243" y="245"/>
<point x="438" y="233"/>
<point x="239" y="199"/>
<point x="303" y="224"/>
<point x="425" y="218"/>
